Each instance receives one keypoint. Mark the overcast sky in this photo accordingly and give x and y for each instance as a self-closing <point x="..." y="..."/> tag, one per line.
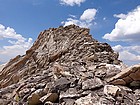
<point x="116" y="22"/>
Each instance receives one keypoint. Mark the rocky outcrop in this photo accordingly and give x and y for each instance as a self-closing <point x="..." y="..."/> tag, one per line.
<point x="129" y="76"/>
<point x="65" y="66"/>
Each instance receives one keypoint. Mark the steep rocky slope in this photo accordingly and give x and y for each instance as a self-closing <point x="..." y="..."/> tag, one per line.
<point x="65" y="66"/>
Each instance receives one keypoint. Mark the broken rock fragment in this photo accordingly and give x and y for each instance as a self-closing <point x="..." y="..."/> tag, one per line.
<point x="92" y="83"/>
<point x="111" y="90"/>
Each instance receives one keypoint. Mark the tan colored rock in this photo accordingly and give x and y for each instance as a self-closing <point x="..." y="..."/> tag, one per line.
<point x="92" y="58"/>
<point x="111" y="90"/>
<point x="118" y="82"/>
<point x="16" y="78"/>
<point x="34" y="98"/>
<point x="126" y="76"/>
<point x="92" y="68"/>
<point x="3" y="102"/>
<point x="57" y="69"/>
<point x="52" y="97"/>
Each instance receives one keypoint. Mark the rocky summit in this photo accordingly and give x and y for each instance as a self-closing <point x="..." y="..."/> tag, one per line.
<point x="66" y="66"/>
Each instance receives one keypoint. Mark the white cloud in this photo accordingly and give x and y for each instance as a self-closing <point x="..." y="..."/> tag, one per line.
<point x="128" y="54"/>
<point x="121" y="16"/>
<point x="85" y="20"/>
<point x="16" y="44"/>
<point x="126" y="28"/>
<point x="129" y="58"/>
<point x="133" y="48"/>
<point x="73" y="16"/>
<point x="88" y="15"/>
<point x="117" y="48"/>
<point x="71" y="2"/>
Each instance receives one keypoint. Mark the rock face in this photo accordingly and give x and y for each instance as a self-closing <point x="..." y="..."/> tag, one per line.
<point x="66" y="66"/>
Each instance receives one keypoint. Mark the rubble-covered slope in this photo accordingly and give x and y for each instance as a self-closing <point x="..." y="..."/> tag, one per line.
<point x="65" y="66"/>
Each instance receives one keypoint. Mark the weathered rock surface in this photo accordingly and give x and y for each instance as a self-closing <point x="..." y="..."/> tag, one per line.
<point x="2" y="66"/>
<point x="66" y="66"/>
<point x="129" y="76"/>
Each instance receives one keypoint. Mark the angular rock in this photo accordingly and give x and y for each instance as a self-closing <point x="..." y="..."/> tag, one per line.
<point x="34" y="98"/>
<point x="70" y="93"/>
<point x="101" y="72"/>
<point x="61" y="84"/>
<point x="92" y="84"/>
<point x="111" y="90"/>
<point x="52" y="97"/>
<point x="126" y="76"/>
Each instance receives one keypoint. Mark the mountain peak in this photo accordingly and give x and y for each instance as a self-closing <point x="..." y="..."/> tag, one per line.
<point x="64" y="65"/>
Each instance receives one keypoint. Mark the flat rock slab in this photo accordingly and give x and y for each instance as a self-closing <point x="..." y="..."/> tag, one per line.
<point x="126" y="76"/>
<point x="92" y="84"/>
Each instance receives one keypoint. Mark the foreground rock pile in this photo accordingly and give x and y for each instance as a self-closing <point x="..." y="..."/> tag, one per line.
<point x="66" y="66"/>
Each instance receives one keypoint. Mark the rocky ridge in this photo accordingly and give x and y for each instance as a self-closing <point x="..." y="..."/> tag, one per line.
<point x="66" y="66"/>
<point x="2" y="66"/>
